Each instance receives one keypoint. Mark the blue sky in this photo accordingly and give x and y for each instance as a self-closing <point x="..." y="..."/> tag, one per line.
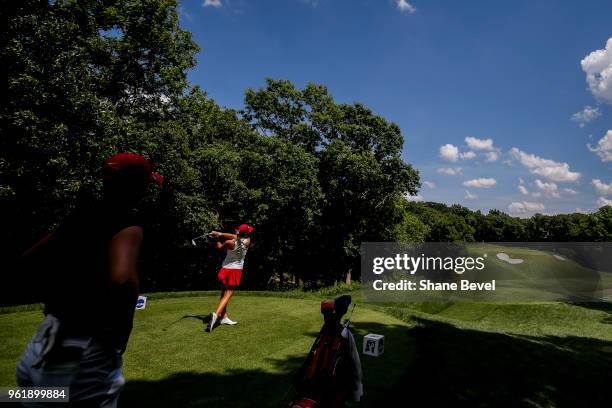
<point x="534" y="77"/>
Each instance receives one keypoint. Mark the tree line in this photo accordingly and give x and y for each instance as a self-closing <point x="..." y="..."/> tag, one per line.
<point x="86" y="79"/>
<point x="443" y="223"/>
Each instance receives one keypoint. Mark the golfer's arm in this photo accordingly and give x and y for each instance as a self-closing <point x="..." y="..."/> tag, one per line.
<point x="227" y="235"/>
<point x="123" y="257"/>
<point x="229" y="244"/>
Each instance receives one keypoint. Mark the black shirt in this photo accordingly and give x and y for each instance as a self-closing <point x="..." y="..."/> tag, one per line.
<point x="77" y="286"/>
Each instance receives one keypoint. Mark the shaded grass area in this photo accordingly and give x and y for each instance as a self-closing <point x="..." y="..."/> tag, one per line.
<point x="508" y="354"/>
<point x="470" y="368"/>
<point x="437" y="354"/>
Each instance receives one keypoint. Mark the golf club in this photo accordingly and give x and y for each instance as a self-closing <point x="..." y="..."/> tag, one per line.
<point x="347" y="322"/>
<point x="204" y="237"/>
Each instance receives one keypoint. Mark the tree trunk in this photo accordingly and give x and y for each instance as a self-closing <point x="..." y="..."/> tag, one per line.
<point x="347" y="277"/>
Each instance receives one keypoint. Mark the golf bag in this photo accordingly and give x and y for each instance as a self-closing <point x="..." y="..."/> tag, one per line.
<point x="331" y="373"/>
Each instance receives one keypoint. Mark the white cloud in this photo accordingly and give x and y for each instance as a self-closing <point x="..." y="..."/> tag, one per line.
<point x="413" y="197"/>
<point x="469" y="155"/>
<point x="602" y="188"/>
<point x="403" y="5"/>
<point x="604" y="147"/>
<point x="598" y="68"/>
<point x="545" y="189"/>
<point x="491" y="153"/>
<point x="602" y="201"/>
<point x="470" y="196"/>
<point x="449" y="152"/>
<point x="548" y="189"/>
<point x="549" y="169"/>
<point x="581" y="211"/>
<point x="522" y="207"/>
<point x="212" y="3"/>
<point x="480" y="183"/>
<point x="491" y="156"/>
<point x="479" y="144"/>
<point x="429" y="184"/>
<point x="450" y="171"/>
<point x="522" y="188"/>
<point x="586" y="115"/>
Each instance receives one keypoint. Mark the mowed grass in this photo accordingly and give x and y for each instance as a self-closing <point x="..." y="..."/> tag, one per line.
<point x="170" y="361"/>
<point x="542" y="274"/>
<point x="470" y="354"/>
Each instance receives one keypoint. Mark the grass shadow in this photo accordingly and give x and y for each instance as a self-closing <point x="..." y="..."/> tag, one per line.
<point x="203" y="318"/>
<point x="234" y="388"/>
<point x="468" y="368"/>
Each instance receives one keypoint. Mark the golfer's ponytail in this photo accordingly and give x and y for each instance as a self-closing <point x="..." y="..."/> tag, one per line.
<point x="239" y="243"/>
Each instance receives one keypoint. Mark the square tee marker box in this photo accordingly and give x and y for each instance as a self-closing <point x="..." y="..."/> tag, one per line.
<point x="141" y="303"/>
<point x="373" y="344"/>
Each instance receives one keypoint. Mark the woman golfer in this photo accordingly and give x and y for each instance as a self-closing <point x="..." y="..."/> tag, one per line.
<point x="230" y="273"/>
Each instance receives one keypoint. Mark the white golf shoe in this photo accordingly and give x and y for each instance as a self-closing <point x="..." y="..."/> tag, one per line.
<point x="212" y="322"/>
<point x="228" y="321"/>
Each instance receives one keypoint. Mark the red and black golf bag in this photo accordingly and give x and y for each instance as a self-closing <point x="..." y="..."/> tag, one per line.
<point x="331" y="374"/>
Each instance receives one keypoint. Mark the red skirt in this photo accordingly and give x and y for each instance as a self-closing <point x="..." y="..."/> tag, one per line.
<point x="229" y="277"/>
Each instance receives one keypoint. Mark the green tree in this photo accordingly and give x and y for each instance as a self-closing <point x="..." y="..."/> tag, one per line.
<point x="444" y="224"/>
<point x="84" y="79"/>
<point x="360" y="168"/>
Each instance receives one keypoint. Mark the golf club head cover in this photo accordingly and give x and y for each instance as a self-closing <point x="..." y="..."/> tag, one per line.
<point x="305" y="403"/>
<point x="341" y="305"/>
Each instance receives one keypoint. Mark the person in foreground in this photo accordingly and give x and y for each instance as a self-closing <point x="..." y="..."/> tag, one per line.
<point x="87" y="271"/>
<point x="230" y="273"/>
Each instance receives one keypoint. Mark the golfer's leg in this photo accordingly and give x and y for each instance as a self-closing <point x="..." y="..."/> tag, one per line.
<point x="223" y="313"/>
<point x="229" y="296"/>
<point x="220" y="300"/>
<point x="222" y="294"/>
<point x="221" y="310"/>
<point x="224" y="301"/>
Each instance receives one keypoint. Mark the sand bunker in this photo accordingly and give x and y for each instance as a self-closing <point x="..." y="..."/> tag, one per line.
<point x="506" y="258"/>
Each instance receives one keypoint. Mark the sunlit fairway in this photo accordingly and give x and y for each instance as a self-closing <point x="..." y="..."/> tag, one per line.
<point x="437" y="354"/>
<point x="541" y="275"/>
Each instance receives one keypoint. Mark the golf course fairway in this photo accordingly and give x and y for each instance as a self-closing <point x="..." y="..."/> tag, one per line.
<point x="170" y="361"/>
<point x="437" y="354"/>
